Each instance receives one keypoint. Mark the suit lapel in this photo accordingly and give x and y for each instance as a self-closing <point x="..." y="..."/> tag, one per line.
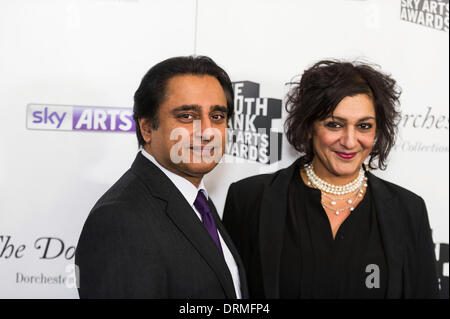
<point x="388" y="210"/>
<point x="183" y="216"/>
<point x="233" y="250"/>
<point x="272" y="226"/>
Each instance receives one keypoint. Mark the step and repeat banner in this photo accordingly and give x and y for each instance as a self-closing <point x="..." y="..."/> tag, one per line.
<point x="69" y="70"/>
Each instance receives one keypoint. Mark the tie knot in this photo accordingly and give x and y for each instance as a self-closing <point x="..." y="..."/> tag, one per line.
<point x="201" y="203"/>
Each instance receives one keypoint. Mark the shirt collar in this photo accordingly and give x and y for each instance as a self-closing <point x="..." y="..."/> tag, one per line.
<point x="186" y="188"/>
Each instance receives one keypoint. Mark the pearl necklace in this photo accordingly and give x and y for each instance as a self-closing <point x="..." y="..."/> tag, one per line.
<point x="356" y="188"/>
<point x="351" y="202"/>
<point x="348" y="199"/>
<point x="319" y="183"/>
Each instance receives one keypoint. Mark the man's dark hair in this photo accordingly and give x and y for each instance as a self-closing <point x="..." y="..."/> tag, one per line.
<point x="320" y="90"/>
<point x="152" y="90"/>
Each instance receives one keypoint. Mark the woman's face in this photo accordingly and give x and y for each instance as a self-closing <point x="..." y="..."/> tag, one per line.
<point x="345" y="139"/>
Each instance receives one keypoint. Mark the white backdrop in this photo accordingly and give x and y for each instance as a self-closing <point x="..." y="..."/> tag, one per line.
<point x="94" y="53"/>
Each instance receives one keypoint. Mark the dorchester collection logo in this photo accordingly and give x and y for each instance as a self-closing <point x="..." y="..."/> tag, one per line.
<point x="79" y="118"/>
<point x="427" y="120"/>
<point x="429" y="13"/>
<point x="251" y="135"/>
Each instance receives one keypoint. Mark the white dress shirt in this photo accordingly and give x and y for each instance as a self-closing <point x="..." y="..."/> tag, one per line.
<point x="189" y="192"/>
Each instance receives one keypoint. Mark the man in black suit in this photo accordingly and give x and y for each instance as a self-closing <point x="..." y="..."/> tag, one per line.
<point x="155" y="233"/>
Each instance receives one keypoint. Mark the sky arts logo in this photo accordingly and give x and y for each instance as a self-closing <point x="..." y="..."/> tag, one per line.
<point x="79" y="118"/>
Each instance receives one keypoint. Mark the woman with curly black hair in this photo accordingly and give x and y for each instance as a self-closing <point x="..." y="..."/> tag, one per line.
<point x="326" y="227"/>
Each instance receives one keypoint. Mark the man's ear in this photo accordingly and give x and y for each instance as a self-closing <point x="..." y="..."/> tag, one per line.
<point x="146" y="129"/>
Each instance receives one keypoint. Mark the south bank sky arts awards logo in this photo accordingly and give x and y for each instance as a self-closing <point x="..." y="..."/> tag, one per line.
<point x="251" y="135"/>
<point x="428" y="13"/>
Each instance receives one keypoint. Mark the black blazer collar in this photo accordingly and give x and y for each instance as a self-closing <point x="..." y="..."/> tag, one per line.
<point x="182" y="215"/>
<point x="273" y="219"/>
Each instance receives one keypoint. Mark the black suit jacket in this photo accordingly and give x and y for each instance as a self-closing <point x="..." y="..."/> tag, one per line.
<point x="142" y="239"/>
<point x="255" y="217"/>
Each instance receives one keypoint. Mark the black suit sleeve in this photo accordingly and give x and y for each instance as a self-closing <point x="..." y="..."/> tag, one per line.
<point x="111" y="254"/>
<point x="240" y="218"/>
<point x="425" y="274"/>
<point x="231" y="218"/>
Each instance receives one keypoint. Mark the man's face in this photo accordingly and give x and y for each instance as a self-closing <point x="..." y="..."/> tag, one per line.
<point x="190" y="138"/>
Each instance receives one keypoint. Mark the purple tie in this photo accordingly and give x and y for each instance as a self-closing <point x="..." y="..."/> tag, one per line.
<point x="201" y="204"/>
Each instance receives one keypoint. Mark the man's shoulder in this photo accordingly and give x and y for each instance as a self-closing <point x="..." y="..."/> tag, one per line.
<point x="131" y="194"/>
<point x="128" y="188"/>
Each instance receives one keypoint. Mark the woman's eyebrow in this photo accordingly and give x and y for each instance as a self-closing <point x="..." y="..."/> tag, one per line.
<point x="345" y="120"/>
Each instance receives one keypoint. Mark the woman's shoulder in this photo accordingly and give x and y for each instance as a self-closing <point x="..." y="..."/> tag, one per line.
<point x="249" y="192"/>
<point x="393" y="189"/>
<point x="405" y="205"/>
<point x="260" y="181"/>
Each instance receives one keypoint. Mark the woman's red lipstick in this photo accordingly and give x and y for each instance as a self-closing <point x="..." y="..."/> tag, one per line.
<point x="346" y="155"/>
